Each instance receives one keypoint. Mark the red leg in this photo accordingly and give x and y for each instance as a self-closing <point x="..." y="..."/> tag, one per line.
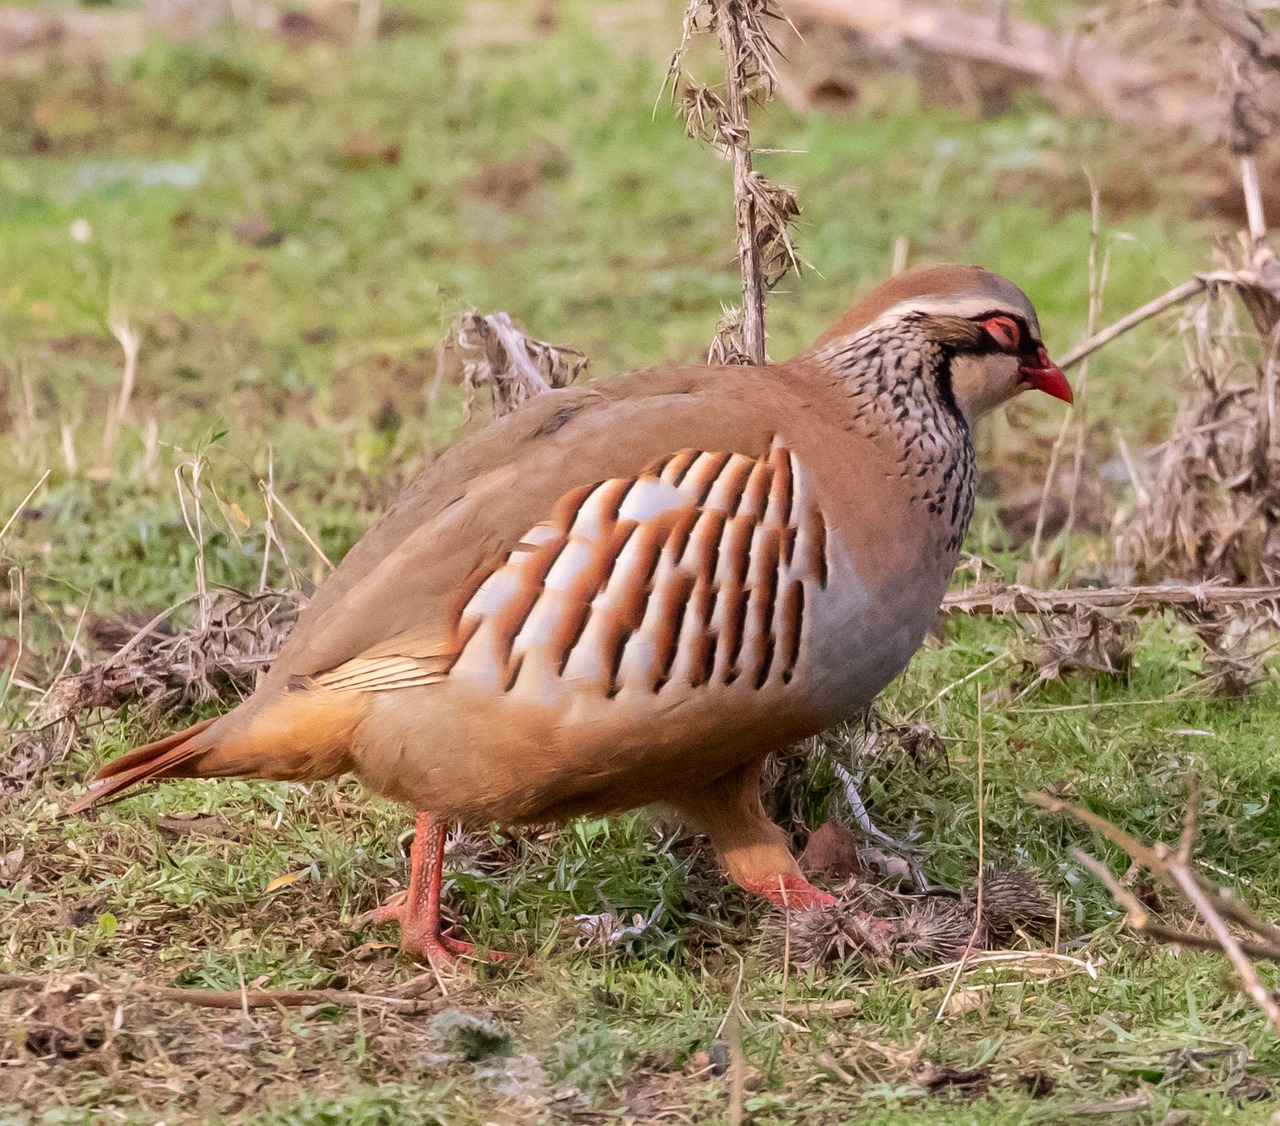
<point x="753" y="848"/>
<point x="418" y="910"/>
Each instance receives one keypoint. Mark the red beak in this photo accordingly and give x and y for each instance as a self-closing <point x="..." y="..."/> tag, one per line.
<point x="1044" y="375"/>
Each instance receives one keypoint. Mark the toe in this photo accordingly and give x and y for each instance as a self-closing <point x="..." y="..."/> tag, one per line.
<point x="393" y="911"/>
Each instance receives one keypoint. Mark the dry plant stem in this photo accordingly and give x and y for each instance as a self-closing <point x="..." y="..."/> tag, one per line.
<point x="297" y="524"/>
<point x="1080" y="393"/>
<point x="21" y="593"/>
<point x="196" y="530"/>
<point x="71" y="650"/>
<point x="762" y="209"/>
<point x="368" y="16"/>
<point x="977" y="913"/>
<point x="130" y="341"/>
<point x="289" y="998"/>
<point x="517" y="351"/>
<point x="1045" y="962"/>
<point x="737" y="1064"/>
<point x="1253" y="198"/>
<point x="22" y="504"/>
<point x="270" y="535"/>
<point x="753" y="287"/>
<point x="1080" y="413"/>
<point x="1009" y="600"/>
<point x="946" y="690"/>
<point x="1174" y="297"/>
<point x="786" y="943"/>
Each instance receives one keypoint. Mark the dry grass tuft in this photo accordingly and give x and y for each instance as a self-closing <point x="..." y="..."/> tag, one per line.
<point x="1210" y="505"/>
<point x="160" y="669"/>
<point x="492" y="357"/>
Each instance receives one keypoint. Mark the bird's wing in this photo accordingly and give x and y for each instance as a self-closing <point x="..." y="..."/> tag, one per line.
<point x="401" y="591"/>
<point x="695" y="571"/>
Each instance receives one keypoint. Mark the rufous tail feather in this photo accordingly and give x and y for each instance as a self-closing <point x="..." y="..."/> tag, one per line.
<point x="161" y="759"/>
<point x="300" y="736"/>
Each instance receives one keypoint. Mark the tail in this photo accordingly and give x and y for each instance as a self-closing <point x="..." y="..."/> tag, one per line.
<point x="303" y="736"/>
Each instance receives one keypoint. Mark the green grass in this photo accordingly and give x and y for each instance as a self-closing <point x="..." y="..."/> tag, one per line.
<point x="290" y="229"/>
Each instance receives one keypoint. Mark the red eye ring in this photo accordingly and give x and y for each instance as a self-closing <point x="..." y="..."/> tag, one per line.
<point x="1004" y="331"/>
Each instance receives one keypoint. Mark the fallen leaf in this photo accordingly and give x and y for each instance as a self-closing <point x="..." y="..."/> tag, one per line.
<point x="833" y="849"/>
<point x="966" y="1000"/>
<point x="11" y="865"/>
<point x="285" y="880"/>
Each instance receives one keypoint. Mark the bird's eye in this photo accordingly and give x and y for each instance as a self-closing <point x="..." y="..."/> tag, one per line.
<point x="1004" y="331"/>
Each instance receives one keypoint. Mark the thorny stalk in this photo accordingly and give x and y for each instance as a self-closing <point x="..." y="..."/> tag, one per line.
<point x="737" y="127"/>
<point x="762" y="209"/>
<point x="1204" y="596"/>
<point x="1096" y="628"/>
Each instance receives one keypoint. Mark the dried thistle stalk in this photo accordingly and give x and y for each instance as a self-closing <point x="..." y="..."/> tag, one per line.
<point x="763" y="210"/>
<point x="496" y="357"/>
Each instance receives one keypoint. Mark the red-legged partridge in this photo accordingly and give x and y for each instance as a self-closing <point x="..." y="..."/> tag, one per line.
<point x="632" y="591"/>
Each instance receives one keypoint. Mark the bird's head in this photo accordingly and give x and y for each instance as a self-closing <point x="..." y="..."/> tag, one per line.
<point x="984" y="323"/>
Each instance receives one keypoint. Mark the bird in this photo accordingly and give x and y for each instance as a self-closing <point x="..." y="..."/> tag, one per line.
<point x="630" y="592"/>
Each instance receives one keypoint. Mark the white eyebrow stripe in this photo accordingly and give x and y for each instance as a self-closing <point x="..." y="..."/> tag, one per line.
<point x="959" y="305"/>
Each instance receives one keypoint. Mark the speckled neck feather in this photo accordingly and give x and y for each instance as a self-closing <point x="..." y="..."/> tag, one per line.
<point x="898" y="383"/>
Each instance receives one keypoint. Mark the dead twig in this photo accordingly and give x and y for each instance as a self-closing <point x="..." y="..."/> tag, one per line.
<point x="406" y="999"/>
<point x="1153" y="308"/>
<point x="976" y="937"/>
<point x="1216" y="906"/>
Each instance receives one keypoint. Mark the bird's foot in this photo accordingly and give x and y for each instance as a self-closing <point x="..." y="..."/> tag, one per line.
<point x="791" y="893"/>
<point x="422" y="938"/>
<point x="393" y="911"/>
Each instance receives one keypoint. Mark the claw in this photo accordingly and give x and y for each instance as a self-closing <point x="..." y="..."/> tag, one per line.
<point x="417" y="910"/>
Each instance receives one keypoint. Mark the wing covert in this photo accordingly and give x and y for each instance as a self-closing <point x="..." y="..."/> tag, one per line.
<point x="692" y="572"/>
